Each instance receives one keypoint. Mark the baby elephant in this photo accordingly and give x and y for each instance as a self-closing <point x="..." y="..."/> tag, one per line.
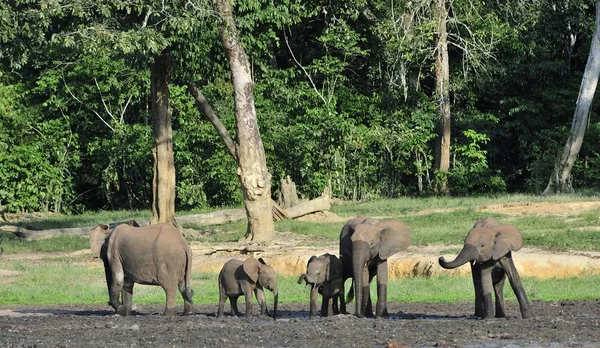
<point x="241" y="278"/>
<point x="324" y="273"/>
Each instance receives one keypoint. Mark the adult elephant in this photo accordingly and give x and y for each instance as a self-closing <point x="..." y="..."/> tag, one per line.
<point x="372" y="245"/>
<point x="152" y="255"/>
<point x="346" y="256"/>
<point x="488" y="248"/>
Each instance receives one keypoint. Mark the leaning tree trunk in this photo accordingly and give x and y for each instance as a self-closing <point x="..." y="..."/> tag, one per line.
<point x="163" y="181"/>
<point x="442" y="88"/>
<point x="560" y="179"/>
<point x="254" y="176"/>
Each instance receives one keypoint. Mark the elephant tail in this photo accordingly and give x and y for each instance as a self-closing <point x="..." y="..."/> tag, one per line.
<point x="350" y="295"/>
<point x="188" y="293"/>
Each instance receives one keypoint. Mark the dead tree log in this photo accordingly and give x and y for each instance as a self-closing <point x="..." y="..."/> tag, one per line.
<point x="314" y="205"/>
<point x="30" y="235"/>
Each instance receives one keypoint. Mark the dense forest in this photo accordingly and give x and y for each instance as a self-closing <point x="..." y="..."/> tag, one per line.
<point x="347" y="97"/>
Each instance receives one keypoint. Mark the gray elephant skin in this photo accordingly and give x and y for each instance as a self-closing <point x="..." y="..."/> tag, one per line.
<point x="324" y="275"/>
<point x="488" y="248"/>
<point x="372" y="243"/>
<point x="152" y="255"/>
<point x="239" y="278"/>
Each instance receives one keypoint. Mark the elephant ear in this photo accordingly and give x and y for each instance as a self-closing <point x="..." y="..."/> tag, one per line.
<point x="508" y="238"/>
<point x="251" y="267"/>
<point x="394" y="237"/>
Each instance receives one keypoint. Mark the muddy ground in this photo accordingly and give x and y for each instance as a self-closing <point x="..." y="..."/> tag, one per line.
<point x="557" y="324"/>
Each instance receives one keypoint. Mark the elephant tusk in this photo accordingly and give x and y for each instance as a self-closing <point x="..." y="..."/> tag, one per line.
<point x="474" y="262"/>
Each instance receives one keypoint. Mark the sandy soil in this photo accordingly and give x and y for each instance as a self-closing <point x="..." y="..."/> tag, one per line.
<point x="556" y="324"/>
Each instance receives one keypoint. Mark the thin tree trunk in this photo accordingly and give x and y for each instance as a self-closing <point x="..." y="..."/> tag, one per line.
<point x="442" y="88"/>
<point x="163" y="181"/>
<point x="253" y="173"/>
<point x="560" y="179"/>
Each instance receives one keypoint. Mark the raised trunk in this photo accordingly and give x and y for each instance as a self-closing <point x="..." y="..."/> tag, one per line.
<point x="442" y="89"/>
<point x="468" y="253"/>
<point x="163" y="181"/>
<point x="253" y="174"/>
<point x="560" y="179"/>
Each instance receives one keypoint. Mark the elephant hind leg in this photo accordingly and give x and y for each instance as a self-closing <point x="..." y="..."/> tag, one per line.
<point x="171" y="293"/>
<point x="187" y="293"/>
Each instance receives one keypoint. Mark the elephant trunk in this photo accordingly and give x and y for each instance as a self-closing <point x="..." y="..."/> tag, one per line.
<point x="302" y="277"/>
<point x="360" y="256"/>
<point x="468" y="253"/>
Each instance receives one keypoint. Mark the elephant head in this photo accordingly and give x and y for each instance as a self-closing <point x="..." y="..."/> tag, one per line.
<point x="372" y="245"/>
<point x="99" y="233"/>
<point x="487" y="240"/>
<point x="264" y="275"/>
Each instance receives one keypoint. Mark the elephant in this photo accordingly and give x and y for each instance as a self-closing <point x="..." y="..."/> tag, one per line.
<point x="346" y="254"/>
<point x="152" y="255"/>
<point x="241" y="278"/>
<point x="324" y="274"/>
<point x="366" y="244"/>
<point x="488" y="248"/>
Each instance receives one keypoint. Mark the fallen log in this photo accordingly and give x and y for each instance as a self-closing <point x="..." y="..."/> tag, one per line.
<point x="30" y="235"/>
<point x="308" y="207"/>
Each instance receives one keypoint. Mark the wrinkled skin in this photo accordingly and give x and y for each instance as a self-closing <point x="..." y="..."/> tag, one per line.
<point x="239" y="278"/>
<point x="488" y="248"/>
<point x="324" y="275"/>
<point x="372" y="245"/>
<point x="346" y="255"/>
<point x="152" y="255"/>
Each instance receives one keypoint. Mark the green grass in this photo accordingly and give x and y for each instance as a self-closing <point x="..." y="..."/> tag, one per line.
<point x="66" y="283"/>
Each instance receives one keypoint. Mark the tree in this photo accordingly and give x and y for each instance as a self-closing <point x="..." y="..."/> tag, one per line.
<point x="442" y="91"/>
<point x="560" y="179"/>
<point x="255" y="179"/>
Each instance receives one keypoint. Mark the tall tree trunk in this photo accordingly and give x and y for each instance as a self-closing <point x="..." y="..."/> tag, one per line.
<point x="560" y="179"/>
<point x="163" y="181"/>
<point x="442" y="89"/>
<point x="253" y="173"/>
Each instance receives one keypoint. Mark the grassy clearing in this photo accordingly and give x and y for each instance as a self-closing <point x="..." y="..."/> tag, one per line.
<point x="66" y="283"/>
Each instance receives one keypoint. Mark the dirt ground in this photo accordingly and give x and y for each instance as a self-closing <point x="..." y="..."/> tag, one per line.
<point x="556" y="324"/>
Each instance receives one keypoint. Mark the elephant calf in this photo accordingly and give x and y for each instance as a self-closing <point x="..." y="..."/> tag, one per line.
<point x="488" y="248"/>
<point x="239" y="278"/>
<point x="324" y="274"/>
<point x="152" y="255"/>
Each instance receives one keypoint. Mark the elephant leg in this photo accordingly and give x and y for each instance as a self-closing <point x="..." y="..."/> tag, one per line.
<point x="488" y="288"/>
<point x="340" y="297"/>
<point x="234" y="308"/>
<point x="260" y="296"/>
<point x="187" y="294"/>
<point x="115" y="290"/>
<point x="498" y="278"/>
<point x="517" y="286"/>
<point x="382" y="280"/>
<point x="127" y="295"/>
<point x="476" y="274"/>
<point x="171" y="294"/>
<point x="314" y="293"/>
<point x="222" y="299"/>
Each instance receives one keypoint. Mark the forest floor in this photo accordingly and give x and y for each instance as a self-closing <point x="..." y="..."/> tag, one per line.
<point x="556" y="324"/>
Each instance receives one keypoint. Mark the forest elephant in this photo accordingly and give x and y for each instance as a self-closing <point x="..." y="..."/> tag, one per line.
<point x="346" y="255"/>
<point x="152" y="255"/>
<point x="324" y="274"/>
<point x="239" y="278"/>
<point x="372" y="245"/>
<point x="488" y="248"/>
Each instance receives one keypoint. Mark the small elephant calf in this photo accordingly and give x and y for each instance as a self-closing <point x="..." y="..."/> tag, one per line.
<point x="242" y="278"/>
<point x="324" y="274"/>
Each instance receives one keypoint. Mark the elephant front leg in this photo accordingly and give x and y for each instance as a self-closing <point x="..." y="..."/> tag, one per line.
<point x="115" y="288"/>
<point x="476" y="274"/>
<point x="260" y="296"/>
<point x="488" y="288"/>
<point x="515" y="283"/>
<point x="382" y="280"/>
<point x="498" y="278"/>
<point x="341" y="298"/>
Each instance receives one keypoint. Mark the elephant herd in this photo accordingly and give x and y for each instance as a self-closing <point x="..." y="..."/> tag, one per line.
<point x="159" y="255"/>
